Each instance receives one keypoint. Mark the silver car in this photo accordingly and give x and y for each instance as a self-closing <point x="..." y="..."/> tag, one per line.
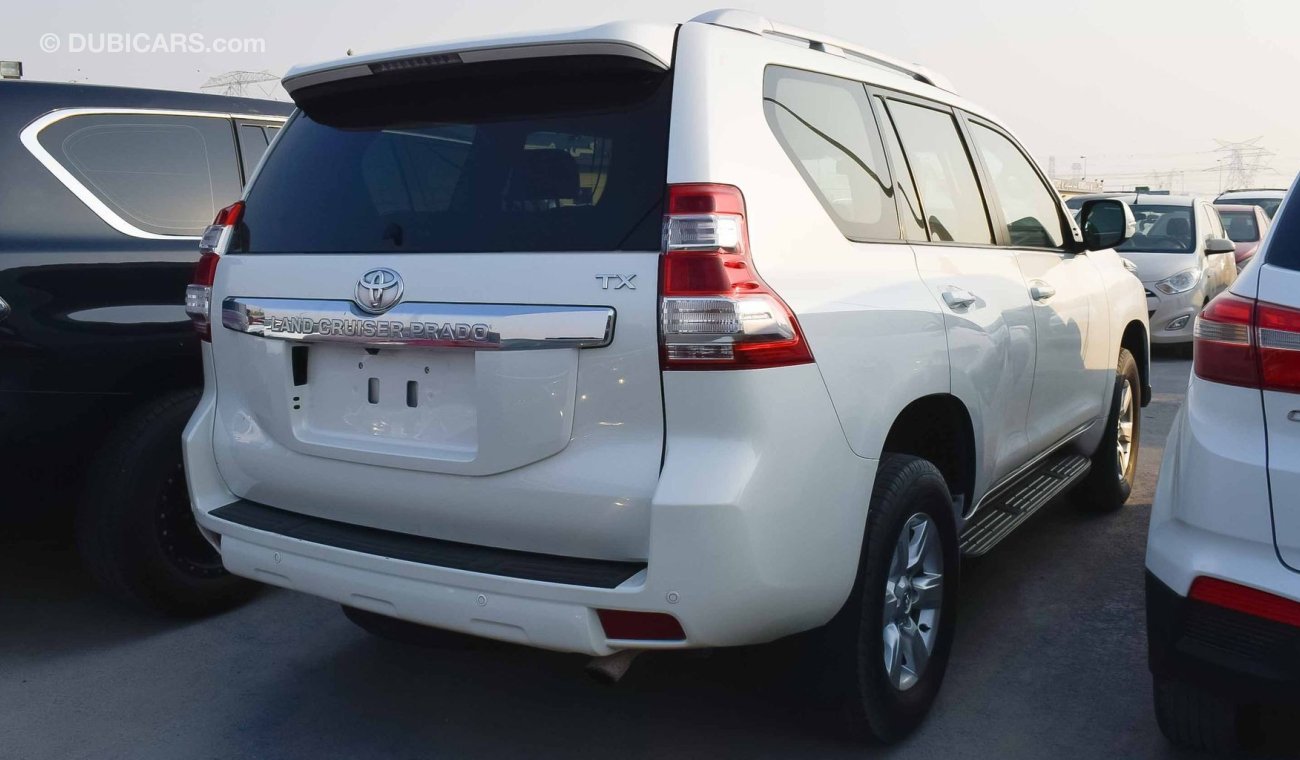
<point x="1183" y="258"/>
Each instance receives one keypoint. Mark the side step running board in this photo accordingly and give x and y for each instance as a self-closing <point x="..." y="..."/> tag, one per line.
<point x="1006" y="510"/>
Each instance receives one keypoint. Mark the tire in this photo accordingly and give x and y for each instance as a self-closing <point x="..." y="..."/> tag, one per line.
<point x="1109" y="482"/>
<point x="881" y="702"/>
<point x="135" y="531"/>
<point x="1196" y="719"/>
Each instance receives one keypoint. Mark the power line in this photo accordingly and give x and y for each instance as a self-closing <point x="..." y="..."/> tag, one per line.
<point x="239" y="83"/>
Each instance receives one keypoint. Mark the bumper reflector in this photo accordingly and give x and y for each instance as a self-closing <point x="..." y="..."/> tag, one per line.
<point x="644" y="626"/>
<point x="1244" y="599"/>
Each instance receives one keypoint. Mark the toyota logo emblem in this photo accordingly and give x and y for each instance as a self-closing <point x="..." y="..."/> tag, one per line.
<point x="379" y="290"/>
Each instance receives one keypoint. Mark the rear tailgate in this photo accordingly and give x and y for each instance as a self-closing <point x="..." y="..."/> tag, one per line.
<point x="440" y="312"/>
<point x="1281" y="286"/>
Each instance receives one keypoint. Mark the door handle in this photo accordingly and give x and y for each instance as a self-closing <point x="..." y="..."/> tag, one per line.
<point x="958" y="298"/>
<point x="1041" y="291"/>
<point x="4" y="309"/>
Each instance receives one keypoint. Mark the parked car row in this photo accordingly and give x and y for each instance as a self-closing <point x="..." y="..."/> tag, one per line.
<point x="1181" y="252"/>
<point x="645" y="336"/>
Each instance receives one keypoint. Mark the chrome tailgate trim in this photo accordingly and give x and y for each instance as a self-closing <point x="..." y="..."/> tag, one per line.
<point x="492" y="327"/>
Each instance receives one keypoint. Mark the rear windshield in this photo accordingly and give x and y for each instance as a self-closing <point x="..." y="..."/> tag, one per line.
<point x="1162" y="229"/>
<point x="1268" y="204"/>
<point x="1241" y="226"/>
<point x="557" y="155"/>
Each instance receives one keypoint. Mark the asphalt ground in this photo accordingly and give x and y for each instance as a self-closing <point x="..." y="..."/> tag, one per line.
<point x="1049" y="661"/>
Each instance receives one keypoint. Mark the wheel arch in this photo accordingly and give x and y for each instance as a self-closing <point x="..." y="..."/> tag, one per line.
<point x="939" y="429"/>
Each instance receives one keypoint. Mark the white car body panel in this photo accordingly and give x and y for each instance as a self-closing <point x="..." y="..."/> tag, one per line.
<point x="1282" y="421"/>
<point x="1211" y="511"/>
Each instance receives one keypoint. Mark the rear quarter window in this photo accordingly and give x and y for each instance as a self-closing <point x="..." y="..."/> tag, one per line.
<point x="827" y="130"/>
<point x="162" y="174"/>
<point x="555" y="155"/>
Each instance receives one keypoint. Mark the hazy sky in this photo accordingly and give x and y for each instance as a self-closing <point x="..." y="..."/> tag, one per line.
<point x="1137" y="86"/>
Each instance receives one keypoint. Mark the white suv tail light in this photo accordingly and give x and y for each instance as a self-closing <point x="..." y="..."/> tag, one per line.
<point x="213" y="244"/>
<point x="1241" y="341"/>
<point x="715" y="311"/>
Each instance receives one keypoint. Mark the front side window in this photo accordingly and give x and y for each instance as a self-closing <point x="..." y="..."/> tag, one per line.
<point x="954" y="207"/>
<point x="826" y="127"/>
<point x="1162" y="229"/>
<point x="1029" y="210"/>
<point x="166" y="175"/>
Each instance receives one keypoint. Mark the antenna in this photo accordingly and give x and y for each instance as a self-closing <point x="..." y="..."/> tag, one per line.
<point x="240" y="83"/>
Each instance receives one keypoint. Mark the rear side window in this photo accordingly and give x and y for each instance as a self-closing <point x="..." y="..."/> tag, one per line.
<point x="1030" y="211"/>
<point x="167" y="175"/>
<point x="557" y="155"/>
<point x="826" y="127"/>
<point x="942" y="170"/>
<point x="1284" y="238"/>
<point x="1241" y="225"/>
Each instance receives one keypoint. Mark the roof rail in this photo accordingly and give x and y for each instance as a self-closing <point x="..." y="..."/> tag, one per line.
<point x="747" y="21"/>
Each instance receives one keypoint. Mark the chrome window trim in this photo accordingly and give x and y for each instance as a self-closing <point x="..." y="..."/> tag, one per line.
<point x="30" y="137"/>
<point x="491" y="327"/>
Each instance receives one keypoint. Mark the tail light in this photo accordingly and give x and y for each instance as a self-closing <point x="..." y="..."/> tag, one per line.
<point x="1244" y="599"/>
<point x="1240" y="341"/>
<point x="213" y="244"/>
<point x="715" y="311"/>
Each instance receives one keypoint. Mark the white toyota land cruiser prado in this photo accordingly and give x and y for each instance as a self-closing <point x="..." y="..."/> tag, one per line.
<point x="656" y="336"/>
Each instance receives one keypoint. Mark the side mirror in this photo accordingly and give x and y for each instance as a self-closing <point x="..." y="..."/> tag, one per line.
<point x="1106" y="223"/>
<point x="1219" y="245"/>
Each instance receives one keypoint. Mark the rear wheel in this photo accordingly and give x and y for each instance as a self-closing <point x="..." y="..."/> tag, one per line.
<point x="1114" y="464"/>
<point x="135" y="530"/>
<point x="887" y="650"/>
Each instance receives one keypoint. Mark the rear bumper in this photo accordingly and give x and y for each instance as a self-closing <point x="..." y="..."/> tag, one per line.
<point x="1211" y="517"/>
<point x="752" y="537"/>
<point x="1242" y="658"/>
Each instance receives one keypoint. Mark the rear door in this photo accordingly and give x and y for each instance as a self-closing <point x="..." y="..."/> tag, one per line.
<point x="441" y="311"/>
<point x="987" y="310"/>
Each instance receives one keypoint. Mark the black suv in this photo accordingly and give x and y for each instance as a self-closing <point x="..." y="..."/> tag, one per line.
<point x="104" y="192"/>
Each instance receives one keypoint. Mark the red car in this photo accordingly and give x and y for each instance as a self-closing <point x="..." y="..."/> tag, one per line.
<point x="1246" y="226"/>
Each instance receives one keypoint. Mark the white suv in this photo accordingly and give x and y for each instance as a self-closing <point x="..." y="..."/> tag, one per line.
<point x="656" y="336"/>
<point x="1223" y="555"/>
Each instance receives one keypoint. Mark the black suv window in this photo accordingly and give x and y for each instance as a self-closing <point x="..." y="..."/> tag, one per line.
<point x="1030" y="211"/>
<point x="167" y="175"/>
<point x="944" y="177"/>
<point x="560" y="155"/>
<point x="826" y="127"/>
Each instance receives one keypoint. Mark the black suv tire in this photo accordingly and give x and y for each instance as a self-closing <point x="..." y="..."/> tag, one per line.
<point x="853" y="643"/>
<point x="135" y="531"/>
<point x="1106" y="487"/>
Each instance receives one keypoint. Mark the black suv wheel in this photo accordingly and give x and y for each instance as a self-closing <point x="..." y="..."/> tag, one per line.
<point x="135" y="531"/>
